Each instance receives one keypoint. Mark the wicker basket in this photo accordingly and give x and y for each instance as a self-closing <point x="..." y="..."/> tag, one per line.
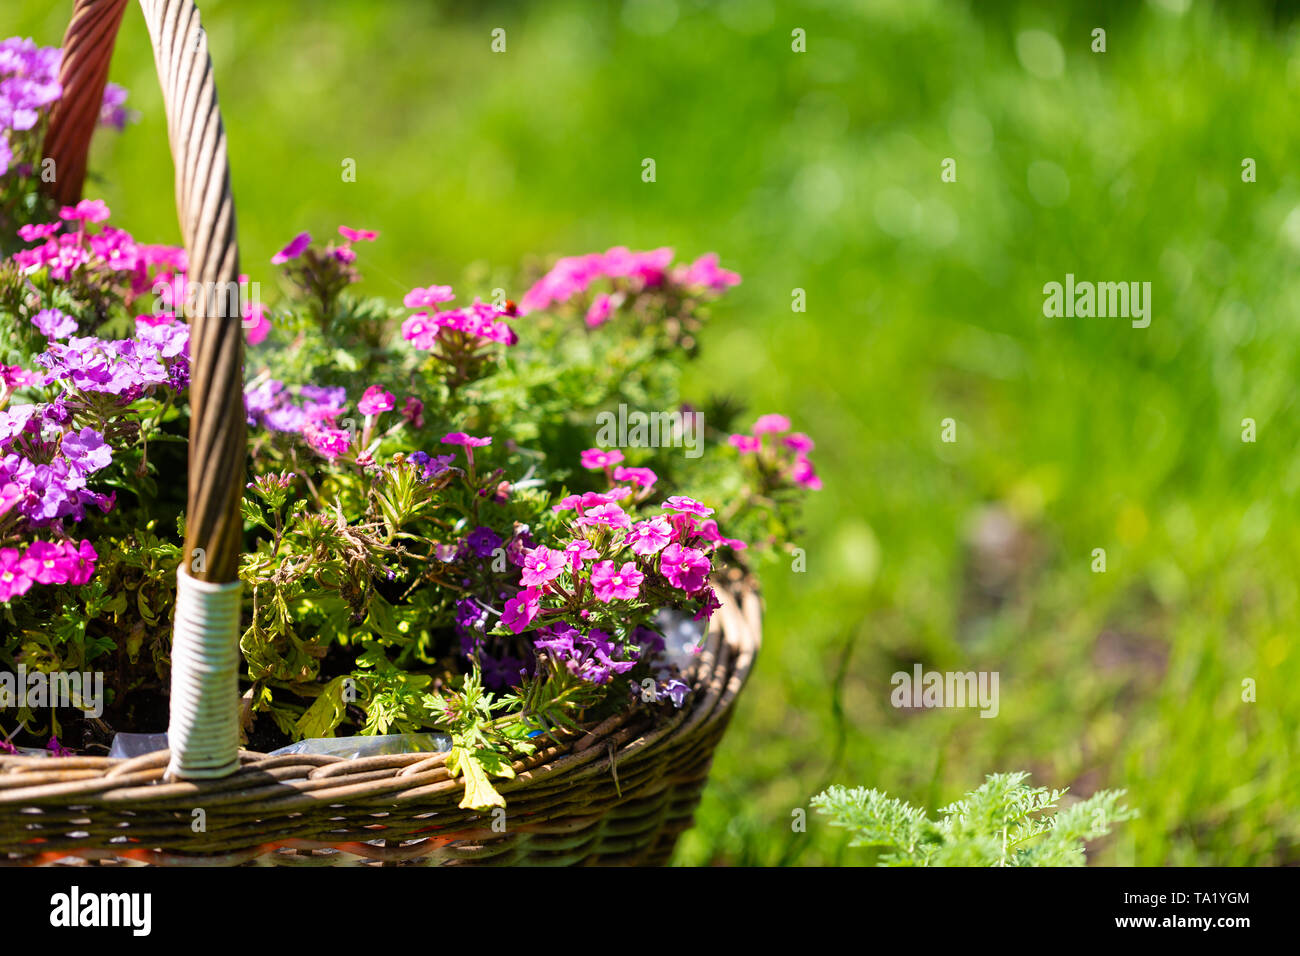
<point x="616" y="793"/>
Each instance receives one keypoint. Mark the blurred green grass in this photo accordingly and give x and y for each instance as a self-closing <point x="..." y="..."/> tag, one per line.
<point x="820" y="171"/>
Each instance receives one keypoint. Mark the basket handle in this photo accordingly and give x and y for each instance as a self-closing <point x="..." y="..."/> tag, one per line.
<point x="203" y="732"/>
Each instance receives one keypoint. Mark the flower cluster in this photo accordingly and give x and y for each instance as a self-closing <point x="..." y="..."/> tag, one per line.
<point x="321" y="274"/>
<point x="45" y="562"/>
<point x="629" y="273"/>
<point x="29" y="86"/>
<point x="461" y="341"/>
<point x="780" y="455"/>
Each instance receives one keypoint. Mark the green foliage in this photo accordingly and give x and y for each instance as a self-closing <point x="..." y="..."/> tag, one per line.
<point x="1004" y="822"/>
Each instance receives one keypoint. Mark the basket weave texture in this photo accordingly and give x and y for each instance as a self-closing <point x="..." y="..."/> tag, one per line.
<point x="620" y="792"/>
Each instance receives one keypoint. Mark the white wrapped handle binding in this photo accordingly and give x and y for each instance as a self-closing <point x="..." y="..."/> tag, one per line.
<point x="203" y="731"/>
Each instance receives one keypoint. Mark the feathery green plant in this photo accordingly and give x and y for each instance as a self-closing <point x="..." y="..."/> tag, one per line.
<point x="1005" y="822"/>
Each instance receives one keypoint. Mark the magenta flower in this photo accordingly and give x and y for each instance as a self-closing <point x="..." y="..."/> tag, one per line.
<point x="596" y="458"/>
<point x="602" y="307"/>
<point x="86" y="211"/>
<point x="293" y="250"/>
<point x="685" y="568"/>
<point x="10" y="495"/>
<point x="32" y="232"/>
<point x="15" y="575"/>
<point x="709" y="532"/>
<point x="522" y="609"/>
<point x="57" y="749"/>
<point x="704" y="272"/>
<point x="375" y="400"/>
<point x="468" y="441"/>
<point x="608" y="516"/>
<point x="47" y="563"/>
<point x="326" y="440"/>
<point x="541" y="565"/>
<point x="614" y="583"/>
<point x="579" y="550"/>
<point x="686" y="505"/>
<point x="257" y="326"/>
<point x="419" y="298"/>
<point x="81" y="561"/>
<point x="641" y="477"/>
<point x="799" y="442"/>
<point x="745" y="444"/>
<point x="649" y="537"/>
<point x="358" y="235"/>
<point x="803" y="474"/>
<point x="413" y="412"/>
<point x="771" y="423"/>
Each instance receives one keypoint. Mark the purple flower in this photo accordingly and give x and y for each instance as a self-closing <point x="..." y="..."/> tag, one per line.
<point x="592" y="657"/>
<point x="54" y="324"/>
<point x="483" y="541"/>
<point x="87" y="450"/>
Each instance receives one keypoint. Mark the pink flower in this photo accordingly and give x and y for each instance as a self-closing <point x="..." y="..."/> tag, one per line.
<point x="375" y="400"/>
<point x="602" y="307"/>
<point x="293" y="250"/>
<point x="771" y="423"/>
<point x="256" y="324"/>
<point x="31" y="233"/>
<point x="358" y="235"/>
<point x="704" y="272"/>
<point x="709" y="532"/>
<point x="641" y="477"/>
<point x="613" y="583"/>
<point x="88" y="210"/>
<point x="15" y="575"/>
<point x="686" y="505"/>
<point x="47" y="563"/>
<point x="649" y="537"/>
<point x="419" y="298"/>
<point x="685" y="568"/>
<point x="521" y="609"/>
<point x="413" y="412"/>
<point x="468" y="441"/>
<point x="326" y="441"/>
<point x="541" y="565"/>
<point x="81" y="561"/>
<point x="803" y="474"/>
<point x="745" y="444"/>
<point x="596" y="458"/>
<point x="799" y="442"/>
<point x="10" y="495"/>
<point x="609" y="516"/>
<point x="579" y="550"/>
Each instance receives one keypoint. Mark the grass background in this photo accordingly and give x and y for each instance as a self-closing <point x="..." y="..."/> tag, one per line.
<point x="821" y="171"/>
